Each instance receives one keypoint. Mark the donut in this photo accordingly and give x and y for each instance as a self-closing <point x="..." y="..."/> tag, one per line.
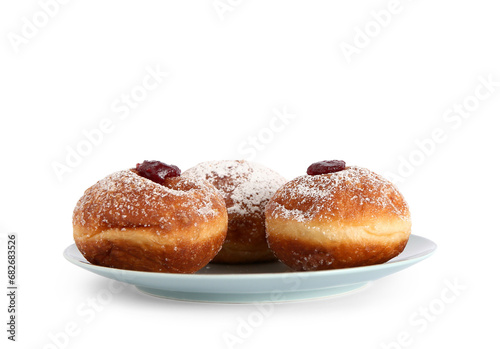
<point x="246" y="188"/>
<point x="337" y="217"/>
<point x="150" y="219"/>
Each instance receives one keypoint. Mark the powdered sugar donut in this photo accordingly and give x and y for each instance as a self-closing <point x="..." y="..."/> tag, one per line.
<point x="351" y="217"/>
<point x="128" y="221"/>
<point x="246" y="188"/>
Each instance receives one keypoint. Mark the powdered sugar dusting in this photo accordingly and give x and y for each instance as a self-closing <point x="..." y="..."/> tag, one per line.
<point x="125" y="198"/>
<point x="310" y="197"/>
<point x="245" y="186"/>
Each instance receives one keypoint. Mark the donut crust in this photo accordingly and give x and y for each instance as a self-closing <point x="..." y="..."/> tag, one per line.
<point x="344" y="219"/>
<point x="126" y="221"/>
<point x="246" y="188"/>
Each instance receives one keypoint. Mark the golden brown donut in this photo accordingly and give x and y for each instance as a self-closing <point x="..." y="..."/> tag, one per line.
<point x="246" y="188"/>
<point x="127" y="221"/>
<point x="349" y="218"/>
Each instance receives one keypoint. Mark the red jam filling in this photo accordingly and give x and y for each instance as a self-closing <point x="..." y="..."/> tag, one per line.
<point x="157" y="171"/>
<point x="327" y="166"/>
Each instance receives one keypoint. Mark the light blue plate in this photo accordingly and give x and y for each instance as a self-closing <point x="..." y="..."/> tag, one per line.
<point x="262" y="282"/>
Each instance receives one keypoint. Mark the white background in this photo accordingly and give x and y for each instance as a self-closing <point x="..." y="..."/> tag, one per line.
<point x="228" y="72"/>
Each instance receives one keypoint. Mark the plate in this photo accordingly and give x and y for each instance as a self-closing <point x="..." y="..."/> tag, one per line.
<point x="261" y="282"/>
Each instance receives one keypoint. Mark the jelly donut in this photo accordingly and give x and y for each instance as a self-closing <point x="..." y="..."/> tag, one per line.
<point x="337" y="217"/>
<point x="150" y="219"/>
<point x="246" y="188"/>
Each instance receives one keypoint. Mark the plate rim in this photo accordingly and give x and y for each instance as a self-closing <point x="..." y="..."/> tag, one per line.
<point x="246" y="276"/>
